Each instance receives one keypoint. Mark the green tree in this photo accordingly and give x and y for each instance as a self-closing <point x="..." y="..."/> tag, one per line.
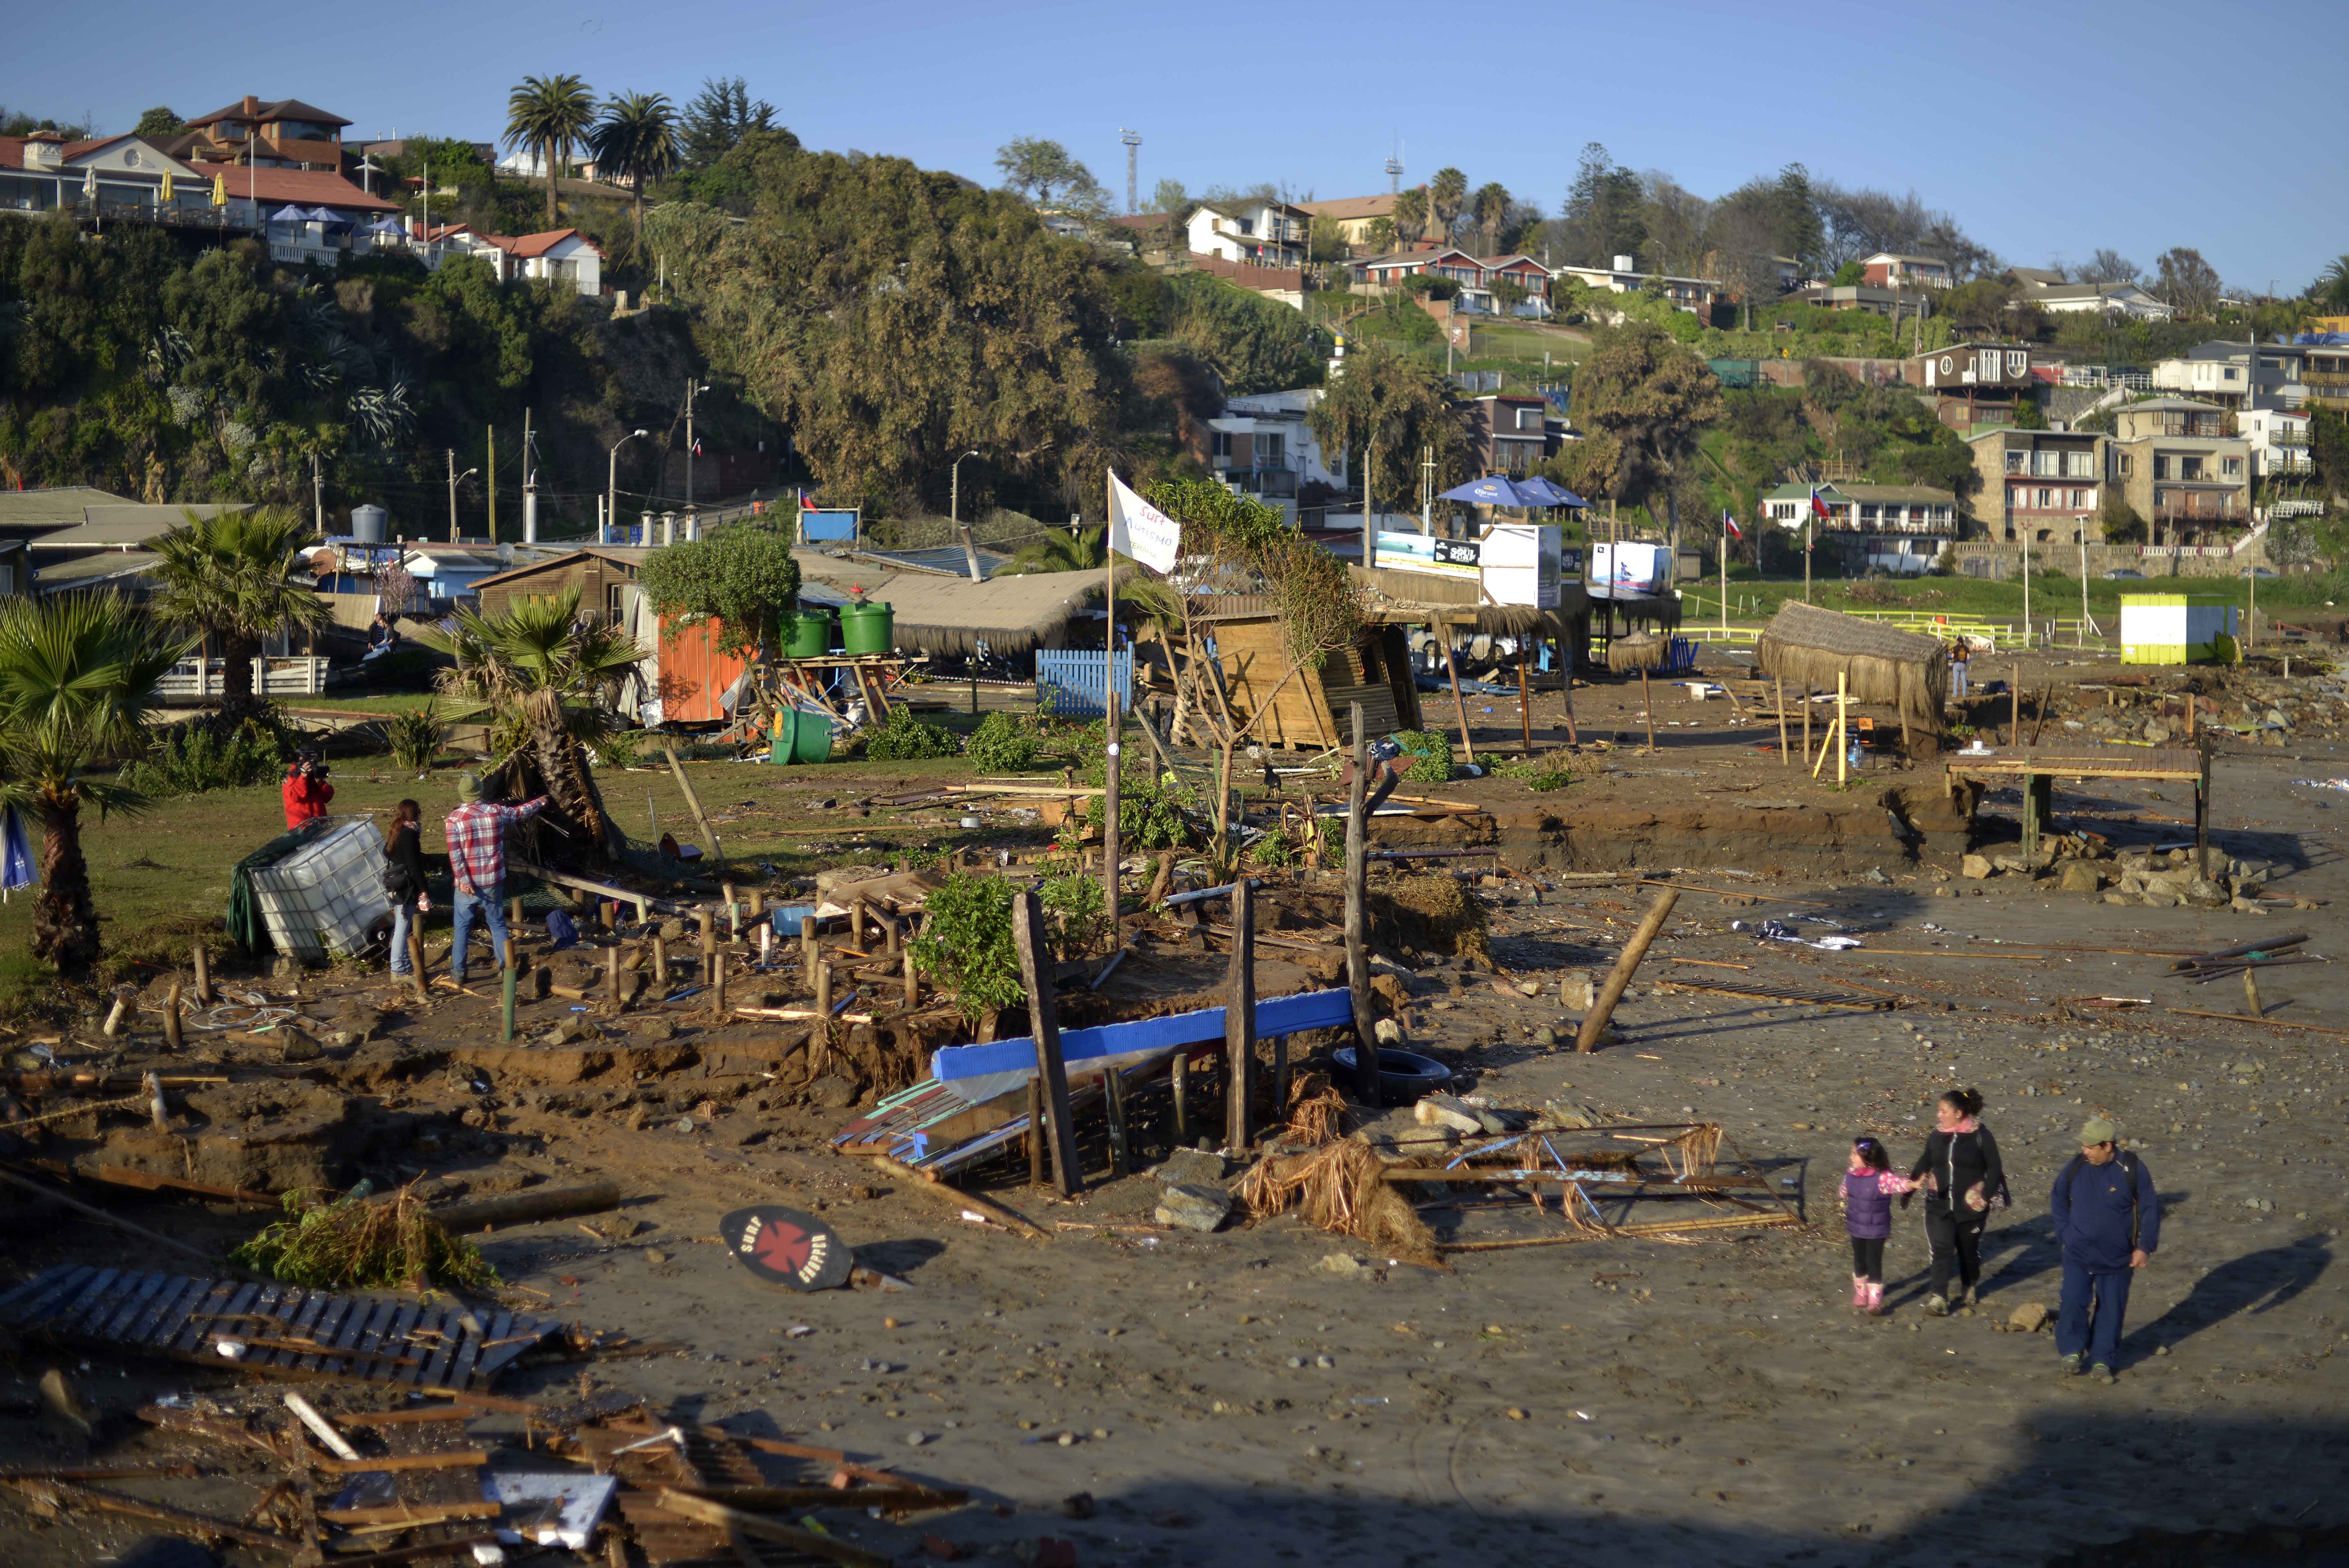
<point x="1063" y="550"/>
<point x="1490" y="207"/>
<point x="549" y="115"/>
<point x="2186" y="283"/>
<point x="1036" y="167"/>
<point x="79" y="675"/>
<point x="636" y="139"/>
<point x="1601" y="218"/>
<point x="1849" y="275"/>
<point x="1379" y="234"/>
<point x="1644" y="399"/>
<point x="1380" y="413"/>
<point x="740" y="576"/>
<point x="1254" y="344"/>
<point x="156" y="123"/>
<point x="234" y="577"/>
<point x="1169" y="199"/>
<point x="549" y="675"/>
<point x="1446" y="194"/>
<point x="1411" y="214"/>
<point x="721" y="118"/>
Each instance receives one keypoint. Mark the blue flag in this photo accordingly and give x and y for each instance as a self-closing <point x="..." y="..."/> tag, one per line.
<point x="16" y="853"/>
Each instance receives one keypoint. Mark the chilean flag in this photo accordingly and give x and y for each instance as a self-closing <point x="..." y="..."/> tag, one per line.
<point x="1819" y="507"/>
<point x="1731" y="524"/>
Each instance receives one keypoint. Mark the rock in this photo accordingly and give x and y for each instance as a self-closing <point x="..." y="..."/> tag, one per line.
<point x="1976" y="867"/>
<point x="915" y="1439"/>
<point x="1444" y="1110"/>
<point x="342" y="1039"/>
<point x="1194" y="1205"/>
<point x="1876" y="875"/>
<point x="831" y="1093"/>
<point x="1078" y="1506"/>
<point x="2078" y="876"/>
<point x="2116" y="897"/>
<point x="1391" y="1033"/>
<point x="569" y="1030"/>
<point x="1528" y="988"/>
<point x="299" y="1047"/>
<point x="1191" y="1165"/>
<point x="1579" y="992"/>
<point x="1343" y="1266"/>
<point x="655" y="1028"/>
<point x="1567" y="1113"/>
<point x="2203" y="893"/>
<point x="2243" y="905"/>
<point x="2028" y="1318"/>
<point x="64" y="1411"/>
<point x="1546" y="1037"/>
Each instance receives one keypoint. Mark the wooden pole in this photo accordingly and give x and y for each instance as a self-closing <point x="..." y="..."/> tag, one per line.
<point x="1035" y="1123"/>
<point x="612" y="976"/>
<point x="718" y="988"/>
<point x="1239" y="1004"/>
<point x="1594" y="1024"/>
<point x="913" y="984"/>
<point x="807" y="945"/>
<point x="856" y="924"/>
<point x="660" y="966"/>
<point x="1044" y="1014"/>
<point x="1179" y="1082"/>
<point x="733" y="912"/>
<point x="1525" y="698"/>
<point x="1110" y="849"/>
<point x="889" y="942"/>
<point x="1114" y="1100"/>
<point x="1459" y="703"/>
<point x="1358" y="954"/>
<point x="823" y="1000"/>
<point x="171" y="1036"/>
<point x="708" y="923"/>
<point x="1647" y="708"/>
<point x="203" y="968"/>
<point x="1806" y="721"/>
<point x="1784" y="759"/>
<point x="2251" y="994"/>
<point x="510" y="977"/>
<point x="693" y="804"/>
<point x="415" y="963"/>
<point x="2015" y="707"/>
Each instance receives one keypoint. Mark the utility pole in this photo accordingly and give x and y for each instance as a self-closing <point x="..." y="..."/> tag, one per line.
<point x="489" y="468"/>
<point x="1133" y="139"/>
<point x="452" y="496"/>
<point x="954" y="516"/>
<point x="318" y="496"/>
<point x="529" y="485"/>
<point x="691" y="387"/>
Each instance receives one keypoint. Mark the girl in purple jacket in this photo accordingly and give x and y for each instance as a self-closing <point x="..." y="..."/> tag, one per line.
<point x="1869" y="1186"/>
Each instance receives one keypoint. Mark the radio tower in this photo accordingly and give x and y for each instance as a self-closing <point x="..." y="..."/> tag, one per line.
<point x="1133" y="139"/>
<point x="1394" y="169"/>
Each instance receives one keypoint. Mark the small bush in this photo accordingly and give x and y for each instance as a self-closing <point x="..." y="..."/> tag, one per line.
<point x="1541" y="774"/>
<point x="1003" y="743"/>
<point x="1076" y="902"/>
<point x="965" y="943"/>
<point x="1273" y="849"/>
<point x="415" y="737"/>
<point x="351" y="1242"/>
<point x="620" y="749"/>
<point x="906" y="739"/>
<point x="196" y="758"/>
<point x="1432" y="750"/>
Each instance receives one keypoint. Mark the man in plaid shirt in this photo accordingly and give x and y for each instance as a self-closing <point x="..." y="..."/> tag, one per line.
<point x="477" y="863"/>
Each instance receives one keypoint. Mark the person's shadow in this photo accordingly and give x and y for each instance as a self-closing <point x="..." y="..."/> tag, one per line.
<point x="2255" y="1283"/>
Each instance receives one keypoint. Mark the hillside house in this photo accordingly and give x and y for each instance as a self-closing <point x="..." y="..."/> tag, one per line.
<point x="1699" y="295"/>
<point x="2037" y="482"/>
<point x="1510" y="433"/>
<point x="1887" y="270"/>
<point x="1354" y="215"/>
<point x="1981" y="383"/>
<point x="559" y="255"/>
<point x="2172" y="459"/>
<point x="1269" y="234"/>
<point x="285" y="133"/>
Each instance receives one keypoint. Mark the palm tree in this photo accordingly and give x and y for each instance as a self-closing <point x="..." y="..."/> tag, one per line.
<point x="635" y="137"/>
<point x="1444" y="194"/>
<point x="551" y="677"/>
<point x="1060" y="550"/>
<point x="549" y="115"/>
<point x="1411" y="214"/>
<point x="2333" y="285"/>
<point x="78" y="676"/>
<point x="1490" y="207"/>
<point x="234" y="577"/>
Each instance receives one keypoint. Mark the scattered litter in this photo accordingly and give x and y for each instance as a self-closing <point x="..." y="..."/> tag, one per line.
<point x="576" y="1502"/>
<point x="1777" y="931"/>
<point x="785" y="1247"/>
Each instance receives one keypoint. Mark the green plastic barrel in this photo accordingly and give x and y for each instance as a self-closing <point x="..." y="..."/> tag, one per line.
<point x="867" y="627"/>
<point x="800" y="736"/>
<point x="810" y="634"/>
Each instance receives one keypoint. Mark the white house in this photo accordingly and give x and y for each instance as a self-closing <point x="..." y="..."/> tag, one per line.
<point x="1269" y="234"/>
<point x="1887" y="270"/>
<point x="1696" y="294"/>
<point x="561" y="256"/>
<point x="2279" y="440"/>
<point x="2123" y="299"/>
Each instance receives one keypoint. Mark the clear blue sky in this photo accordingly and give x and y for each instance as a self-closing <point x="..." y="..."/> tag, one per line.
<point x="2047" y="128"/>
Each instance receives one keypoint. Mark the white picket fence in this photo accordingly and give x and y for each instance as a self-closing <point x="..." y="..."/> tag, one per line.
<point x="299" y="675"/>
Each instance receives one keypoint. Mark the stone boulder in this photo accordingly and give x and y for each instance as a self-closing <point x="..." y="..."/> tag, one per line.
<point x="1194" y="1206"/>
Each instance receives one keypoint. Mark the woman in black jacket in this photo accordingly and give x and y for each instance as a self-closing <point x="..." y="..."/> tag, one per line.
<point x="403" y="879"/>
<point x="1964" y="1181"/>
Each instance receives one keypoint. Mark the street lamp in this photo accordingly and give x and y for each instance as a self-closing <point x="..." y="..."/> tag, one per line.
<point x="691" y="387"/>
<point x="954" y="515"/>
<point x="455" y="478"/>
<point x="611" y="485"/>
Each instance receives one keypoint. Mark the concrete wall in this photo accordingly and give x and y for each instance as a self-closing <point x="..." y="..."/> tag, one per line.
<point x="2005" y="560"/>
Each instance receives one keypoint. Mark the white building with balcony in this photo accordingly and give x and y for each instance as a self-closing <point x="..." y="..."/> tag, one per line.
<point x="1268" y="234"/>
<point x="2278" y="442"/>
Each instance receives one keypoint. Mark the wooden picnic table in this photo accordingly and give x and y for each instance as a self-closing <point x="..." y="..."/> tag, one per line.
<point x="2038" y="768"/>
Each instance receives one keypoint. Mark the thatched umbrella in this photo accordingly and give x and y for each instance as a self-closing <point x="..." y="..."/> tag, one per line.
<point x="1641" y="650"/>
<point x="1880" y="666"/>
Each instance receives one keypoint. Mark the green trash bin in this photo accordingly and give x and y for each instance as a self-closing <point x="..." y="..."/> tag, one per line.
<point x="800" y="736"/>
<point x="867" y="627"/>
<point x="810" y="634"/>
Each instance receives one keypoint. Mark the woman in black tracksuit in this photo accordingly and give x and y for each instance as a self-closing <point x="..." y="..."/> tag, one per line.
<point x="1963" y="1182"/>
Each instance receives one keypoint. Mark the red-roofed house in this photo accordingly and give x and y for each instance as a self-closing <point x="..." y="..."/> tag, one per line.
<point x="111" y="177"/>
<point x="286" y="134"/>
<point x="561" y="256"/>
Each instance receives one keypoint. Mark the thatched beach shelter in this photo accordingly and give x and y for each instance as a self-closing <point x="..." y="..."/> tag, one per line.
<point x="1882" y="666"/>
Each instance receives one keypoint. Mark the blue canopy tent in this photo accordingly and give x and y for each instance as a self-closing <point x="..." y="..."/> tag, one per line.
<point x="1542" y="493"/>
<point x="289" y="214"/>
<point x="328" y="218"/>
<point x="1493" y="490"/>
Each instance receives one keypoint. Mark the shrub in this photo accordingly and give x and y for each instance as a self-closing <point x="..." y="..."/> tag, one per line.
<point x="1432" y="750"/>
<point x="965" y="943"/>
<point x="906" y="739"/>
<point x="1273" y="849"/>
<point x="1541" y="774"/>
<point x="415" y="737"/>
<point x="1003" y="743"/>
<point x="1076" y="902"/>
<point x="198" y="757"/>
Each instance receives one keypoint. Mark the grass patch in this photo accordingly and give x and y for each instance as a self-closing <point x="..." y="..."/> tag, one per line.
<point x="347" y="1243"/>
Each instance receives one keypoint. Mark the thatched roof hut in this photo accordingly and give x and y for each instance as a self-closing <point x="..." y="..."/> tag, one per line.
<point x="1882" y="666"/>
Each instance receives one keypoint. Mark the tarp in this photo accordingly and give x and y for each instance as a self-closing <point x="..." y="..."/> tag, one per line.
<point x="245" y="926"/>
<point x="1494" y="490"/>
<point x="15" y="854"/>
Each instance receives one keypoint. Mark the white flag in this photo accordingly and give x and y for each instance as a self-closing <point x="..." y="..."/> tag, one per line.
<point x="1139" y="531"/>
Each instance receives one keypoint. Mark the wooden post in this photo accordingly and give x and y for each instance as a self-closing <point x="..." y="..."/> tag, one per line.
<point x="2251" y="995"/>
<point x="660" y="965"/>
<point x="414" y="962"/>
<point x="172" y="1038"/>
<point x="1807" y="723"/>
<point x="1784" y="759"/>
<point x="1111" y="768"/>
<point x="612" y="976"/>
<point x="510" y="978"/>
<point x="1036" y="971"/>
<point x="718" y="988"/>
<point x="159" y="1115"/>
<point x="1113" y="1099"/>
<point x="823" y="995"/>
<point x="889" y="943"/>
<point x="2015" y="707"/>
<point x="1239" y="1001"/>
<point x="1179" y="1082"/>
<point x="1648" y="710"/>
<point x="856" y="924"/>
<point x="203" y="968"/>
<point x="1035" y="1111"/>
<point x="1459" y="703"/>
<point x="693" y="802"/>
<point x="733" y="913"/>
<point x="913" y="984"/>
<point x="1525" y="712"/>
<point x="807" y="945"/>
<point x="708" y="944"/>
<point x="1603" y="1008"/>
<point x="1358" y="956"/>
<point x="513" y="917"/>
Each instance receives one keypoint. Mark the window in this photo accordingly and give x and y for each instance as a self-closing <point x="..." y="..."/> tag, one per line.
<point x="1221" y="443"/>
<point x="1530" y="418"/>
<point x="2190" y="469"/>
<point x="2124" y="464"/>
<point x="2079" y="465"/>
<point x="1272" y="451"/>
<point x="2047" y="464"/>
<point x="2018" y="361"/>
<point x="2232" y="467"/>
<point x="2015" y="461"/>
<point x="2160" y="466"/>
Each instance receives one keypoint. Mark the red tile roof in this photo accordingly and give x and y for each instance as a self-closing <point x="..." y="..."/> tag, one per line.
<point x="284" y="108"/>
<point x="305" y="187"/>
<point x="1246" y="275"/>
<point x="528" y="245"/>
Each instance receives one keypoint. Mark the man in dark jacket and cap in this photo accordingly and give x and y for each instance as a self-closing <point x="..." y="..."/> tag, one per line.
<point x="2109" y="1220"/>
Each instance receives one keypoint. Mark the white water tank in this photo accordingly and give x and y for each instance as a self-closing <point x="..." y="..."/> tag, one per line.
<point x="370" y="525"/>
